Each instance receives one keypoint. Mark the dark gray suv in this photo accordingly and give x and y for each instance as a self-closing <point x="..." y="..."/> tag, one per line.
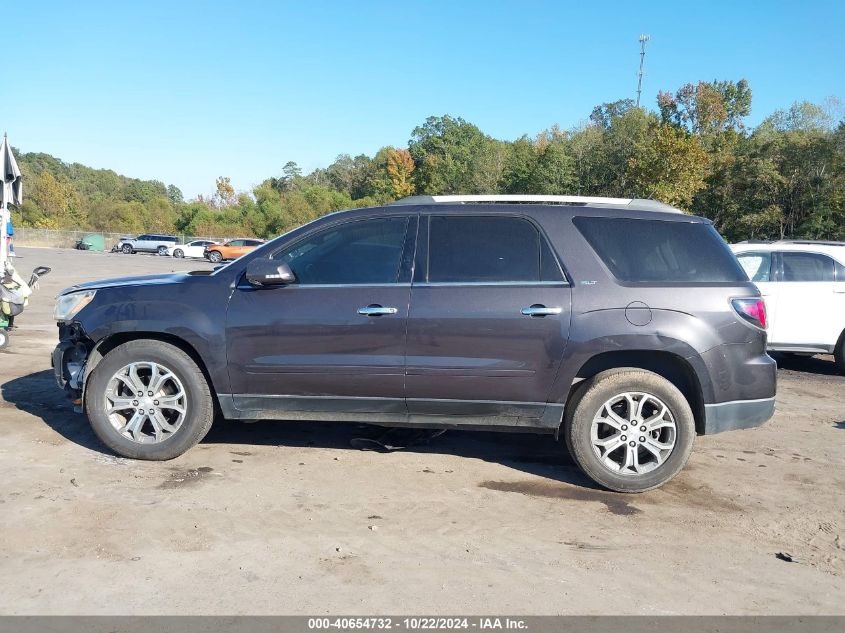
<point x="623" y="325"/>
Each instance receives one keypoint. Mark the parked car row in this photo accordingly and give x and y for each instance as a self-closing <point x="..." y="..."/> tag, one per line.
<point x="169" y="245"/>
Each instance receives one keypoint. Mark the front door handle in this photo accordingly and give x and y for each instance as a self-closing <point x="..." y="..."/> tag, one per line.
<point x="538" y="310"/>
<point x="376" y="310"/>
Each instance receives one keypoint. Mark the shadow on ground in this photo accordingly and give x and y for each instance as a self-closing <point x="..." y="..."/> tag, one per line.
<point x="821" y="365"/>
<point x="38" y="395"/>
<point x="540" y="455"/>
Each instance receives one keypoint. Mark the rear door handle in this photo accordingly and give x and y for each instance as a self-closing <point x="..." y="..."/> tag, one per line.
<point x="538" y="310"/>
<point x="376" y="310"/>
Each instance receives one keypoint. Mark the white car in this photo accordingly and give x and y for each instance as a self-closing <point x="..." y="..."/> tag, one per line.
<point x="803" y="287"/>
<point x="191" y="249"/>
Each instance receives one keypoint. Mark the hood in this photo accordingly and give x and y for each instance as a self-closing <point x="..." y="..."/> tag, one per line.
<point x="145" y="280"/>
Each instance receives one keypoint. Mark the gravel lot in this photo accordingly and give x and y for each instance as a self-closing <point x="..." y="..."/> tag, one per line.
<point x="280" y="517"/>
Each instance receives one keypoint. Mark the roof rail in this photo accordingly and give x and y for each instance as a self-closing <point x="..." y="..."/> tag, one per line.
<point x="812" y="242"/>
<point x="636" y="204"/>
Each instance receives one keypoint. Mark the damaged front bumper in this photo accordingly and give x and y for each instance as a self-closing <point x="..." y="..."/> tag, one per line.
<point x="69" y="359"/>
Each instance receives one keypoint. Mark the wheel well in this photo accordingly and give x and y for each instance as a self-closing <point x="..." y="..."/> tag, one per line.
<point x="666" y="364"/>
<point x="110" y="342"/>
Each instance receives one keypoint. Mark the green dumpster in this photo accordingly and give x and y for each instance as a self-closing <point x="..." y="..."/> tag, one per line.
<point x="92" y="242"/>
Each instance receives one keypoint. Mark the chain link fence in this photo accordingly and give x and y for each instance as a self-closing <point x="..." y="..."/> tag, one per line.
<point x="55" y="238"/>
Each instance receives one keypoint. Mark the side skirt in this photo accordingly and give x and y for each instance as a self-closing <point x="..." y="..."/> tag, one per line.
<point x="816" y="348"/>
<point x="479" y="415"/>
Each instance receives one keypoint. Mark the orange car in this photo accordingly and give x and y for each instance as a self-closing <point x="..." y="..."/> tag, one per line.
<point x="232" y="249"/>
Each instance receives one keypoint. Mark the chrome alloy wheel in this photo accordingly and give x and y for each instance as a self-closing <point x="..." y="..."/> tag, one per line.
<point x="633" y="433"/>
<point x="146" y="402"/>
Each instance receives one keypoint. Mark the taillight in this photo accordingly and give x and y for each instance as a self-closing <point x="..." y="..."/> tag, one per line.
<point x="752" y="310"/>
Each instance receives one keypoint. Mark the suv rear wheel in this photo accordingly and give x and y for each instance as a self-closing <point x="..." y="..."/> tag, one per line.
<point x="629" y="430"/>
<point x="148" y="400"/>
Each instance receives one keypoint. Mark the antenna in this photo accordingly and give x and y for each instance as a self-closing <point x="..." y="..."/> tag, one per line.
<point x="643" y="40"/>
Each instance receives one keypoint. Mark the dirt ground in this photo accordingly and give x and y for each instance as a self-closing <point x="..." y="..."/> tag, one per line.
<point x="288" y="518"/>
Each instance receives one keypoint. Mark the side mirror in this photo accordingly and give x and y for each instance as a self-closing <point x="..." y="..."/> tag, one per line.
<point x="266" y="272"/>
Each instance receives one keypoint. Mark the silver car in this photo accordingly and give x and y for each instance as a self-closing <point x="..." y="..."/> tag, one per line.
<point x="147" y="243"/>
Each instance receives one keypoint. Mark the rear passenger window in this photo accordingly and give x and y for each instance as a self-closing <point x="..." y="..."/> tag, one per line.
<point x="807" y="267"/>
<point x="661" y="251"/>
<point x="757" y="266"/>
<point x="467" y="249"/>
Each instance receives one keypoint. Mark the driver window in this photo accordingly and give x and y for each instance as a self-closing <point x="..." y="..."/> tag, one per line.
<point x="362" y="252"/>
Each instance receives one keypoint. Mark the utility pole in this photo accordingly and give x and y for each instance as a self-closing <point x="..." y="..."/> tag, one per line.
<point x="643" y="40"/>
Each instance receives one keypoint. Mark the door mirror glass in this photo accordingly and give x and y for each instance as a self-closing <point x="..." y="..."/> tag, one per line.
<point x="265" y="272"/>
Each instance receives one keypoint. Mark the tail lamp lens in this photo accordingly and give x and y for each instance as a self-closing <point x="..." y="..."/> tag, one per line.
<point x="752" y="310"/>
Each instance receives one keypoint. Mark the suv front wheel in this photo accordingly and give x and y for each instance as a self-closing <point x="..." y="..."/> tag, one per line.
<point x="148" y="399"/>
<point x="126" y="249"/>
<point x="630" y="430"/>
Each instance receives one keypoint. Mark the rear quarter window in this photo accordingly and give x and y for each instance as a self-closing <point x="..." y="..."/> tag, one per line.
<point x="661" y="251"/>
<point x="757" y="265"/>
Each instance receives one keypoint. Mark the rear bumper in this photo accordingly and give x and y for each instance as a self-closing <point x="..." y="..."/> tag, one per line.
<point x="737" y="414"/>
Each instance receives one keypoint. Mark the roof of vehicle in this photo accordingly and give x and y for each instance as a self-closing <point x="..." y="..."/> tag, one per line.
<point x="634" y="204"/>
<point x="834" y="249"/>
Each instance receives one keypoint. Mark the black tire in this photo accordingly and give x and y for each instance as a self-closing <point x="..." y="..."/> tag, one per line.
<point x="162" y="250"/>
<point x="126" y="249"/>
<point x="200" y="404"/>
<point x="215" y="257"/>
<point x="839" y="354"/>
<point x="178" y="253"/>
<point x="4" y="339"/>
<point x="588" y="401"/>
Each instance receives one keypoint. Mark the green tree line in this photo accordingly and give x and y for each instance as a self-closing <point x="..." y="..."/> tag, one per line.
<point x="784" y="178"/>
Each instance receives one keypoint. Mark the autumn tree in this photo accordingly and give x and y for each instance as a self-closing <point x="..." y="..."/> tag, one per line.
<point x="670" y="166"/>
<point x="400" y="169"/>
<point x="224" y="194"/>
<point x="707" y="108"/>
<point x="59" y="203"/>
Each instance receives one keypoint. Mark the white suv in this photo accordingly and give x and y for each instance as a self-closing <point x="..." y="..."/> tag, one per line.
<point x="803" y="285"/>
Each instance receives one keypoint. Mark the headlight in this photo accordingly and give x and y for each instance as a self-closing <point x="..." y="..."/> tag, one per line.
<point x="68" y="305"/>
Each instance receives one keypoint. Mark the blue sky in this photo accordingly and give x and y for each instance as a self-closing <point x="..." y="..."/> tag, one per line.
<point x="188" y="91"/>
